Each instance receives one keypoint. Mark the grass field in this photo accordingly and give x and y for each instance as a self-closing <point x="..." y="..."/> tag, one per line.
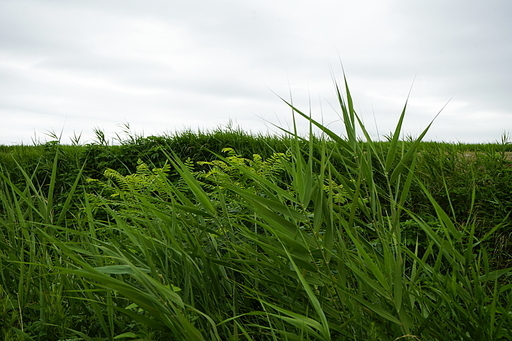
<point x="225" y="236"/>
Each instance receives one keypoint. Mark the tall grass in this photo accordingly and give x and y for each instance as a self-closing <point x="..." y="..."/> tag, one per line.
<point x="307" y="246"/>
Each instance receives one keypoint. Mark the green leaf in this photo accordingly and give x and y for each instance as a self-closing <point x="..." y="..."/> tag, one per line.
<point x="125" y="335"/>
<point x="119" y="270"/>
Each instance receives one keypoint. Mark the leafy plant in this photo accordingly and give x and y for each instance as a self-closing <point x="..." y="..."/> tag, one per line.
<point x="321" y="242"/>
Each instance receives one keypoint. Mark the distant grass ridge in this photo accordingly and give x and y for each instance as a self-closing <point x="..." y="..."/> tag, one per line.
<point x="451" y="172"/>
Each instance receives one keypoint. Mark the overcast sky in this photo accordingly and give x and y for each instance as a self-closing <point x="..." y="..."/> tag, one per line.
<point x="163" y="66"/>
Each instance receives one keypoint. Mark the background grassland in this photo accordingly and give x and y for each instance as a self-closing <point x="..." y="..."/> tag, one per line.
<point x="451" y="172"/>
<point x="225" y="236"/>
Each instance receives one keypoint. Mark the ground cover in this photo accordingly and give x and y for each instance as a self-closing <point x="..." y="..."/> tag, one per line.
<point x="311" y="238"/>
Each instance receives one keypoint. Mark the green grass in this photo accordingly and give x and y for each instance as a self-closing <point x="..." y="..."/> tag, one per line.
<point x="316" y="238"/>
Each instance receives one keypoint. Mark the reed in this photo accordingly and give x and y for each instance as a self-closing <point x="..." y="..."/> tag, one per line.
<point x="313" y="243"/>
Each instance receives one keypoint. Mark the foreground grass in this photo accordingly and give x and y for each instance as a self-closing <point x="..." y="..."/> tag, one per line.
<point x="316" y="243"/>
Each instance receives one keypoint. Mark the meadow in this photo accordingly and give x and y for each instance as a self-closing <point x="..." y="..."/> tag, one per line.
<point x="223" y="235"/>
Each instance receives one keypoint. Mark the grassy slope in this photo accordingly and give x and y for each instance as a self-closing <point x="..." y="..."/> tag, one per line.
<point x="337" y="240"/>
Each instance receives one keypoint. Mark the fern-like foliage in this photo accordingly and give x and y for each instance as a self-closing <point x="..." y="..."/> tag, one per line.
<point x="241" y="172"/>
<point x="145" y="181"/>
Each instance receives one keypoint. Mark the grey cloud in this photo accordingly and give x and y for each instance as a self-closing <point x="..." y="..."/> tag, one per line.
<point x="204" y="62"/>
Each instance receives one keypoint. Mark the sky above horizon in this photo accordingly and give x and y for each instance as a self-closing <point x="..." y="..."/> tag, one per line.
<point x="73" y="67"/>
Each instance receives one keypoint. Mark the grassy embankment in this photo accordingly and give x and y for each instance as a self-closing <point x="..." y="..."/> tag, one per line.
<point x="325" y="238"/>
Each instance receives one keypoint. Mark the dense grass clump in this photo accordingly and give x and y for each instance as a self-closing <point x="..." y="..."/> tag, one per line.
<point x="317" y="238"/>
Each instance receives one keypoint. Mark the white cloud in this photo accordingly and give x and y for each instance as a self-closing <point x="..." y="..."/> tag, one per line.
<point x="162" y="66"/>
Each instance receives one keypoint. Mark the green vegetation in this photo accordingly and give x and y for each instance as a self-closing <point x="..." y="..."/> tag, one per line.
<point x="225" y="236"/>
